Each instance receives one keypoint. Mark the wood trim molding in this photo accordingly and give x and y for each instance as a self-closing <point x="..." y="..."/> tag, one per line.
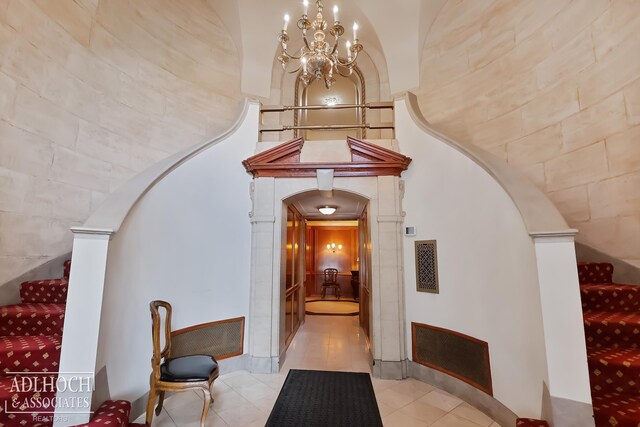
<point x="283" y="161"/>
<point x="484" y="344"/>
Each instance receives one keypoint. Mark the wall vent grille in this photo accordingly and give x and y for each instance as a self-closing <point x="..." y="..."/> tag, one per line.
<point x="221" y="339"/>
<point x="453" y="353"/>
<point x="427" y="266"/>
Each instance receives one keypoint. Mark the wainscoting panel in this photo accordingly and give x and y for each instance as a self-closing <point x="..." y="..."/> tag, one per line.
<point x="453" y="353"/>
<point x="221" y="339"/>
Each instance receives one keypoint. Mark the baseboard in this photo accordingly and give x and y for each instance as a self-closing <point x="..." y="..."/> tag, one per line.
<point x="390" y="370"/>
<point x="479" y="399"/>
<point x="263" y="365"/>
<point x="569" y="413"/>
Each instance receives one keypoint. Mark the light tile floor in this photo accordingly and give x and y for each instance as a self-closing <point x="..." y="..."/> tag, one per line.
<point x="323" y="343"/>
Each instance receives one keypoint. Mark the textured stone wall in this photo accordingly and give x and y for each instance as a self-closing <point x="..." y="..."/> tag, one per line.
<point x="92" y="92"/>
<point x="553" y="87"/>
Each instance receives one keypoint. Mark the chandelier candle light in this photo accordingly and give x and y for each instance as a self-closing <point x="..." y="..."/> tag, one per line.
<point x="318" y="59"/>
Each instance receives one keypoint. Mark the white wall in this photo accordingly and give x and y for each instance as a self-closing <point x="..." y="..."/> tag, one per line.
<point x="486" y="259"/>
<point x="187" y="241"/>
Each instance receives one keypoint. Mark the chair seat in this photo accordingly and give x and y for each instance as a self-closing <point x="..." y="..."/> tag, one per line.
<point x="188" y="368"/>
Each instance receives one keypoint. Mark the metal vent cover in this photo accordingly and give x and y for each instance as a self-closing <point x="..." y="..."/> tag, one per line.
<point x="221" y="339"/>
<point x="453" y="353"/>
<point x="427" y="266"/>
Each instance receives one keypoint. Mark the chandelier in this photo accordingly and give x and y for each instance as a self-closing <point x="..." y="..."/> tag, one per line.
<point x="318" y="59"/>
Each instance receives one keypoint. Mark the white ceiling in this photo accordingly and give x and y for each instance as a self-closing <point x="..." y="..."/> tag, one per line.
<point x="349" y="206"/>
<point x="395" y="29"/>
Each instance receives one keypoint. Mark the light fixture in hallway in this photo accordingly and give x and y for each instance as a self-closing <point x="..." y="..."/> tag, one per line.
<point x="333" y="247"/>
<point x="327" y="210"/>
<point x="319" y="59"/>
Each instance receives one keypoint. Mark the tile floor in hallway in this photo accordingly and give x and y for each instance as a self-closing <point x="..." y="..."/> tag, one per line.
<point x="322" y="343"/>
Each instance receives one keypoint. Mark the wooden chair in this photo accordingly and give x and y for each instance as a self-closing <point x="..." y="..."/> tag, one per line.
<point x="179" y="373"/>
<point x="329" y="281"/>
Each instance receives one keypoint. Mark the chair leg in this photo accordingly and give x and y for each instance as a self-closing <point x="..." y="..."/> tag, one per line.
<point x="151" y="402"/>
<point x="160" y="402"/>
<point x="324" y="292"/>
<point x="205" y="407"/>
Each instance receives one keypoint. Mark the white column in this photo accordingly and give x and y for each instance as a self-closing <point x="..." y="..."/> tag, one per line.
<point x="82" y="319"/>
<point x="263" y="321"/>
<point x="389" y="340"/>
<point x="569" y="389"/>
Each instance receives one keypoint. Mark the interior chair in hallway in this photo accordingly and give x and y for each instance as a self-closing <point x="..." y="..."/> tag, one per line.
<point x="330" y="280"/>
<point x="179" y="373"/>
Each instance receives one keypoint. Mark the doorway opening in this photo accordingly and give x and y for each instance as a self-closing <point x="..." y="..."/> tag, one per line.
<point x="327" y="270"/>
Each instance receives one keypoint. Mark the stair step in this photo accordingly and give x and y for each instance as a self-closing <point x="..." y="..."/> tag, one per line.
<point x="14" y="413"/>
<point x="614" y="370"/>
<point x="40" y="353"/>
<point x="67" y="269"/>
<point x="112" y="413"/>
<point x="31" y="319"/>
<point x="612" y="329"/>
<point x="595" y="272"/>
<point x="530" y="422"/>
<point x="616" y="409"/>
<point x="44" y="291"/>
<point x="610" y="297"/>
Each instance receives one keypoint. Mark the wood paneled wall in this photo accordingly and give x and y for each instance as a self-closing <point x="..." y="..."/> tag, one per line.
<point x="319" y="257"/>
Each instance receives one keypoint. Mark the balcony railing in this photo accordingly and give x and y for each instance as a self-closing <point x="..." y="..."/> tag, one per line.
<point x="363" y="125"/>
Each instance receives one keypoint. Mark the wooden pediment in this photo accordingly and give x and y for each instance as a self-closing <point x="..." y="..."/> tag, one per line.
<point x="367" y="159"/>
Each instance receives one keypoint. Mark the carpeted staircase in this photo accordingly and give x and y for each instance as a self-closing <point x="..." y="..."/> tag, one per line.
<point x="30" y="341"/>
<point x="612" y="327"/>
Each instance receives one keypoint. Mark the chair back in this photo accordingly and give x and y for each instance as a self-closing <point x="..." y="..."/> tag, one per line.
<point x="156" y="319"/>
<point x="330" y="275"/>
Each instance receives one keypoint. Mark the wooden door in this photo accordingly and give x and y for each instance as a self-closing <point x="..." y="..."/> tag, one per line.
<point x="294" y="275"/>
<point x="365" y="272"/>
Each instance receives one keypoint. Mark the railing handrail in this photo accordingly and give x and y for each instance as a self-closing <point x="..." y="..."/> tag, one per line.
<point x="374" y="126"/>
<point x="283" y="108"/>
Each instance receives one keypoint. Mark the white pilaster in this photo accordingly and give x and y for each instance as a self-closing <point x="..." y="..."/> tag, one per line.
<point x="263" y="325"/>
<point x="564" y="336"/>
<point x="82" y="318"/>
<point x="389" y="312"/>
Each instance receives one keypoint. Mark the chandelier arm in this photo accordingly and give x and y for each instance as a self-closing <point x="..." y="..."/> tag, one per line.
<point x="345" y="75"/>
<point x="287" y="54"/>
<point x="348" y="64"/>
<point x="306" y="41"/>
<point x="336" y="38"/>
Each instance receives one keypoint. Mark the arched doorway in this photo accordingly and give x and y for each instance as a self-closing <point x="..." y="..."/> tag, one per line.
<point x="345" y="91"/>
<point x="268" y="295"/>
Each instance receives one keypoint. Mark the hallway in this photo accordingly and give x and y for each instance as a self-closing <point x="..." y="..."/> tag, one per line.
<point x="321" y="343"/>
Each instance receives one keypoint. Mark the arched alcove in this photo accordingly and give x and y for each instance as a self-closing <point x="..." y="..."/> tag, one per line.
<point x="371" y="71"/>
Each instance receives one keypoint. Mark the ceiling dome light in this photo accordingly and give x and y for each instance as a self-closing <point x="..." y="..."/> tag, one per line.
<point x="327" y="210"/>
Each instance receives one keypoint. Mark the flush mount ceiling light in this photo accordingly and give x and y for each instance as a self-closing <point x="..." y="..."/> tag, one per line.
<point x="327" y="210"/>
<point x="318" y="58"/>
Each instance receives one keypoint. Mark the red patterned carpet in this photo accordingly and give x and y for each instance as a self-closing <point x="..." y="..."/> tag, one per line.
<point x="30" y="341"/>
<point x="612" y="328"/>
